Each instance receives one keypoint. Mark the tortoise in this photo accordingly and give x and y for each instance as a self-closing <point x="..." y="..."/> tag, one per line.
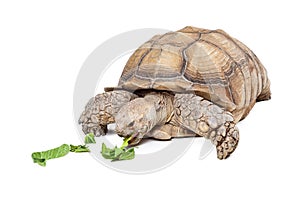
<point x="191" y="82"/>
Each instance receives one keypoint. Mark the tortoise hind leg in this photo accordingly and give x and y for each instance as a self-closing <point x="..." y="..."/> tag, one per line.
<point x="101" y="110"/>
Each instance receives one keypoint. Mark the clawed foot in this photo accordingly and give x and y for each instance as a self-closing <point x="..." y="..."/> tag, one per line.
<point x="90" y="119"/>
<point x="226" y="144"/>
<point x="101" y="110"/>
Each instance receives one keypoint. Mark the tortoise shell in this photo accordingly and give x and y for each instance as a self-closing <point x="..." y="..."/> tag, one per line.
<point x="209" y="63"/>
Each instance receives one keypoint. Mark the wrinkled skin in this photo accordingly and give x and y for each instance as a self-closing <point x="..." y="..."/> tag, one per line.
<point x="136" y="117"/>
<point x="140" y="115"/>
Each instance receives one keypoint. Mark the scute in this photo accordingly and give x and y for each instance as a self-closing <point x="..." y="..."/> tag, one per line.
<point x="209" y="63"/>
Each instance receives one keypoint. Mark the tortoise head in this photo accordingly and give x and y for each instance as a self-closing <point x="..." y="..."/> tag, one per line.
<point x="135" y="119"/>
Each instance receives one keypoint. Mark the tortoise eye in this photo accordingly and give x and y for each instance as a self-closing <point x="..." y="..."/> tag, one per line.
<point x="131" y="124"/>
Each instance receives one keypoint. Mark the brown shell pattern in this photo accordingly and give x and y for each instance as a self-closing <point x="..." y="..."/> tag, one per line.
<point x="209" y="63"/>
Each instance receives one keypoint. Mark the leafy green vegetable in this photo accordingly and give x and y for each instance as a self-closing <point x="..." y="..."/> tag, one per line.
<point x="79" y="148"/>
<point x="125" y="142"/>
<point x="116" y="153"/>
<point x="126" y="155"/>
<point x="41" y="157"/>
<point x="106" y="152"/>
<point x="89" y="138"/>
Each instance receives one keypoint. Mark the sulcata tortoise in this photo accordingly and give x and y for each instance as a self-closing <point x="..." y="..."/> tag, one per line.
<point x="192" y="82"/>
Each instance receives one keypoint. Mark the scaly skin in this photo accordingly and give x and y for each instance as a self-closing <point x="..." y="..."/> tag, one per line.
<point x="208" y="120"/>
<point x="162" y="116"/>
<point x="101" y="110"/>
<point x="140" y="115"/>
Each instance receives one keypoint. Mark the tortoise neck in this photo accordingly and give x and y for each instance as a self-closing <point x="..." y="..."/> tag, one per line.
<point x="163" y="103"/>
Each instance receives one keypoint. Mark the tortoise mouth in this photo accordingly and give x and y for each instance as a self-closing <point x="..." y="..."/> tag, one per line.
<point x="136" y="134"/>
<point x="135" y="139"/>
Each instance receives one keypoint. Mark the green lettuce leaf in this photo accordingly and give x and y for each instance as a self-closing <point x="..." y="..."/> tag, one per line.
<point x="79" y="148"/>
<point x="125" y="142"/>
<point x="41" y="157"/>
<point x="89" y="138"/>
<point x="126" y="155"/>
<point x="106" y="152"/>
<point x="116" y="153"/>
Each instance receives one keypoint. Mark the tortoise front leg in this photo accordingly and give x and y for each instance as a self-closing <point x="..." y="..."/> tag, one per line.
<point x="101" y="110"/>
<point x="207" y="120"/>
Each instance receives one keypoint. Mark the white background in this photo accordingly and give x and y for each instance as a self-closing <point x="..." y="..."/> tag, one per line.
<point x="42" y="47"/>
